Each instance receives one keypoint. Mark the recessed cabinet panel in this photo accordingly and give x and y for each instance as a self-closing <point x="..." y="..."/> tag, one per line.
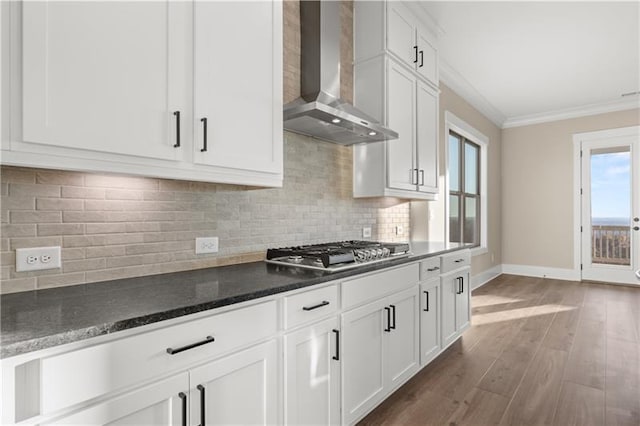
<point x="429" y="320"/>
<point x="449" y="288"/>
<point x="401" y="33"/>
<point x="427" y="65"/>
<point x="401" y="93"/>
<point x="403" y="340"/>
<point x="96" y="76"/>
<point x="233" y="88"/>
<point x="427" y="138"/>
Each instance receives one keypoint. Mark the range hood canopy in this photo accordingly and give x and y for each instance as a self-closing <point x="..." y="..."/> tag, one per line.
<point x="320" y="112"/>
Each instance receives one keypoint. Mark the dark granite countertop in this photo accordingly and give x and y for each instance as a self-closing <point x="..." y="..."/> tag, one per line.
<point x="41" y="319"/>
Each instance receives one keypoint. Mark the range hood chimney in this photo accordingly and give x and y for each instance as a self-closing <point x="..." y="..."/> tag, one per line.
<point x="320" y="112"/>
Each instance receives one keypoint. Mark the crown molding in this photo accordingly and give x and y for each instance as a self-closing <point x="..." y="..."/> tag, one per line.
<point x="456" y="82"/>
<point x="574" y="112"/>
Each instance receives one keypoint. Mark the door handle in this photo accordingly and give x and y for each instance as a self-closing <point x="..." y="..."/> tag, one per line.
<point x="414" y="174"/>
<point x="208" y="339"/>
<point x="177" y="115"/>
<point x="337" y="356"/>
<point x="421" y="177"/>
<point x="183" y="397"/>
<point x="636" y="228"/>
<point x="426" y="309"/>
<point x="415" y="50"/>
<point x="202" y="404"/>
<point x="388" y="329"/>
<point x="319" y="305"/>
<point x="421" y="59"/>
<point x="204" y="134"/>
<point x="393" y="310"/>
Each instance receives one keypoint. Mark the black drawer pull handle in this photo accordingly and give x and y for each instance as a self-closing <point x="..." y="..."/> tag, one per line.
<point x="435" y="268"/>
<point x="421" y="177"/>
<point x="204" y="134"/>
<point x="202" y="404"/>
<point x="421" y="59"/>
<point x="337" y="356"/>
<point x="172" y="351"/>
<point x="459" y="260"/>
<point x="183" y="397"/>
<point x="388" y="329"/>
<point x="319" y="305"/>
<point x="415" y="50"/>
<point x="177" y="115"/>
<point x="426" y="309"/>
<point x="393" y="309"/>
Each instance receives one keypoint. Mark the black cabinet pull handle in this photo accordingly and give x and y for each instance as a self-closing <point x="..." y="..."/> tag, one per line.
<point x="421" y="177"/>
<point x="426" y="309"/>
<point x="319" y="305"/>
<point x="415" y="50"/>
<point x="388" y="329"/>
<point x="337" y="356"/>
<point x="172" y="351"/>
<point x="459" y="260"/>
<point x="183" y="397"/>
<point x="204" y="134"/>
<point x="393" y="309"/>
<point x="461" y="285"/>
<point x="177" y="115"/>
<point x="202" y="404"/>
<point x="435" y="268"/>
<point x="421" y="59"/>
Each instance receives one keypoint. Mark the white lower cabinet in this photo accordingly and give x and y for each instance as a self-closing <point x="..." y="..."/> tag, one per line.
<point x="239" y="389"/>
<point x="429" y="320"/>
<point x="380" y="343"/>
<point x="455" y="305"/>
<point x="312" y="374"/>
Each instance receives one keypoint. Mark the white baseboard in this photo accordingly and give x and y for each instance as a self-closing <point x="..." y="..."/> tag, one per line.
<point x="484" y="277"/>
<point x="542" y="271"/>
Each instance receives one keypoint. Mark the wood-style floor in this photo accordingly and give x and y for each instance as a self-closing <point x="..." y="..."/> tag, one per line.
<point x="539" y="351"/>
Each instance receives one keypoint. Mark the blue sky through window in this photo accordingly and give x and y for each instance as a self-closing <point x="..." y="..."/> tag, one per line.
<point x="611" y="188"/>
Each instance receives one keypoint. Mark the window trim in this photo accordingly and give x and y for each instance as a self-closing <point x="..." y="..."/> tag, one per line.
<point x="461" y="127"/>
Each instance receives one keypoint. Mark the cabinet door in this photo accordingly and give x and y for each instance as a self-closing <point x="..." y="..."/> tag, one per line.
<point x="234" y="87"/>
<point x="239" y="389"/>
<point x="427" y="138"/>
<point x="99" y="76"/>
<point x="427" y="64"/>
<point x="463" y="313"/>
<point x="363" y="357"/>
<point x="312" y="380"/>
<point x="401" y="33"/>
<point x="402" y="347"/>
<point x="449" y="289"/>
<point x="158" y="404"/>
<point x="401" y="94"/>
<point x="429" y="320"/>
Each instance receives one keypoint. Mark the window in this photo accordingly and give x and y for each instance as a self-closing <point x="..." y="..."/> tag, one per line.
<point x="464" y="190"/>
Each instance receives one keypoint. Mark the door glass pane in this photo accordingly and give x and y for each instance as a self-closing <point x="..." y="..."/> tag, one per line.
<point x="611" y="206"/>
<point x="470" y="168"/>
<point x="454" y="162"/>
<point x="471" y="220"/>
<point x="454" y="218"/>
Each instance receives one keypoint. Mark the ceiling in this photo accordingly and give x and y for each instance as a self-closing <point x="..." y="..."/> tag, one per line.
<point x="527" y="62"/>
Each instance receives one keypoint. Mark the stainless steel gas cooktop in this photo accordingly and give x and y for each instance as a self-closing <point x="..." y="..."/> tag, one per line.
<point x="338" y="256"/>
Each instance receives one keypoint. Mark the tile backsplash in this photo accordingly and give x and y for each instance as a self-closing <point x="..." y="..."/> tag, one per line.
<point x="115" y="227"/>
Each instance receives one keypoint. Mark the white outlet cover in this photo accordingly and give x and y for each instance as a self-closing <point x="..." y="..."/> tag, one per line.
<point x="45" y="258"/>
<point x="366" y="232"/>
<point x="206" y="245"/>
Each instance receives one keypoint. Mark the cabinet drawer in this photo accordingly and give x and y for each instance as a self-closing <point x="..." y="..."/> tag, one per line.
<point x="374" y="286"/>
<point x="457" y="260"/>
<point x="429" y="268"/>
<point x="80" y="375"/>
<point x="304" y="307"/>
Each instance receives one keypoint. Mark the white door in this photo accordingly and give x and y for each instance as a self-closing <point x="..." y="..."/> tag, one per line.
<point x="463" y="313"/>
<point x="363" y="342"/>
<point x="163" y="403"/>
<point x="429" y="320"/>
<point x="610" y="205"/>
<point x="312" y="381"/>
<point x="401" y="94"/>
<point x="449" y="289"/>
<point x="427" y="138"/>
<point x="101" y="76"/>
<point x="239" y="389"/>
<point x="402" y="347"/>
<point x="401" y="34"/>
<point x="234" y="84"/>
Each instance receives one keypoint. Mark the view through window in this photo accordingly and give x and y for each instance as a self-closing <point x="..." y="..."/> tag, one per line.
<point x="464" y="190"/>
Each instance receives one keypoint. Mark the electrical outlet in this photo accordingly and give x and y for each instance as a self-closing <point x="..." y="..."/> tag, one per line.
<point x="399" y="230"/>
<point x="366" y="232"/>
<point x="206" y="245"/>
<point x="38" y="258"/>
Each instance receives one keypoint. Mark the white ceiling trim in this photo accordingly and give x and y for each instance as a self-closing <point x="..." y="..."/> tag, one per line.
<point x="564" y="114"/>
<point x="456" y="82"/>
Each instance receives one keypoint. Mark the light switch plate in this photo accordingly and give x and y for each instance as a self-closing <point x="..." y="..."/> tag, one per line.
<point x="38" y="258"/>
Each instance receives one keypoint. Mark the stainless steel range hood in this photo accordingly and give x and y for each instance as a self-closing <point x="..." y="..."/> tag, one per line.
<point x="320" y="112"/>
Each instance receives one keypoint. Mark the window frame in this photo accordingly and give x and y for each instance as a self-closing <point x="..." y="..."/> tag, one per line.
<point x="463" y="129"/>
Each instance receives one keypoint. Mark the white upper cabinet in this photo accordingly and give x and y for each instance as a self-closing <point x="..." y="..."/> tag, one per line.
<point x="129" y="87"/>
<point x="94" y="80"/>
<point x="233" y="87"/>
<point x="427" y="138"/>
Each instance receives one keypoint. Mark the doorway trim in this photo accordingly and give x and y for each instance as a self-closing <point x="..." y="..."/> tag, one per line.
<point x="578" y="138"/>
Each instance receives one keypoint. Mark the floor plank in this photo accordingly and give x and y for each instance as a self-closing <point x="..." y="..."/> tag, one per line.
<point x="579" y="406"/>
<point x="479" y="407"/>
